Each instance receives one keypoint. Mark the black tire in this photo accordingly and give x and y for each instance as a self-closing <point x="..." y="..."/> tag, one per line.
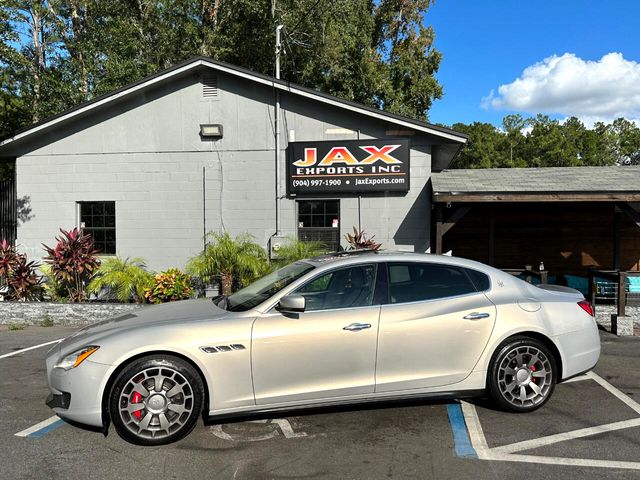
<point x="159" y="416"/>
<point x="522" y="375"/>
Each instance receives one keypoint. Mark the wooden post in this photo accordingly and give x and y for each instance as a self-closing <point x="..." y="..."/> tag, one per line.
<point x="616" y="239"/>
<point x="492" y="236"/>
<point x="439" y="228"/>
<point x="622" y="293"/>
<point x="592" y="289"/>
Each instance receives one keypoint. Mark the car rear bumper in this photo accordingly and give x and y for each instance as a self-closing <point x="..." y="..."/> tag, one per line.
<point x="580" y="350"/>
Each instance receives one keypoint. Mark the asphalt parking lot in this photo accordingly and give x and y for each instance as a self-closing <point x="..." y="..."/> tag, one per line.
<point x="590" y="429"/>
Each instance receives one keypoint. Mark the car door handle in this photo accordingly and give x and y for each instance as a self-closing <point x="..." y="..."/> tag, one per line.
<point x="354" y="327"/>
<point x="476" y="316"/>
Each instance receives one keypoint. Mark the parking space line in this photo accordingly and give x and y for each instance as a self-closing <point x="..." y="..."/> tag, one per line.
<point x="614" y="391"/>
<point x="574" y="462"/>
<point x="40" y="429"/>
<point x="30" y="348"/>
<point x="561" y="437"/>
<point x="579" y="378"/>
<point x="478" y="440"/>
<point x="506" y="453"/>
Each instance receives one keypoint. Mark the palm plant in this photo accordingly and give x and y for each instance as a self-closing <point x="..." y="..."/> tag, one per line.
<point x="125" y="278"/>
<point x="233" y="261"/>
<point x="296" y="249"/>
<point x="54" y="290"/>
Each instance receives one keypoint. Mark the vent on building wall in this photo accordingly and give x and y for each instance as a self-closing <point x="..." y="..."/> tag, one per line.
<point x="209" y="86"/>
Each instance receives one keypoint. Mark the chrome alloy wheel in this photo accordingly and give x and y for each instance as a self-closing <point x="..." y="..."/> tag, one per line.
<point x="525" y="376"/>
<point x="156" y="402"/>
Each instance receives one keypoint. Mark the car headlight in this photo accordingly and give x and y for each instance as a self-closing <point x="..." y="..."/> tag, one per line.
<point x="76" y="358"/>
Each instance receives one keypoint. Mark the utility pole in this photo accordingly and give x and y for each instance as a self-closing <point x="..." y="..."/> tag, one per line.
<point x="277" y="125"/>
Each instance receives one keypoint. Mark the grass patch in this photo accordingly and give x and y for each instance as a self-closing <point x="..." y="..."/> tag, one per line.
<point x="17" y="326"/>
<point x="47" y="321"/>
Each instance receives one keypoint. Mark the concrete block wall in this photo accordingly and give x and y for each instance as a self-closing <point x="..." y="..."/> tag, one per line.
<point x="65" y="314"/>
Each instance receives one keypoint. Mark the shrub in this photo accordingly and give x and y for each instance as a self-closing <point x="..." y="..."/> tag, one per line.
<point x="18" y="274"/>
<point x="296" y="249"/>
<point x="17" y="326"/>
<point x="54" y="290"/>
<point x="169" y="286"/>
<point x="47" y="321"/>
<point x="24" y="283"/>
<point x="125" y="278"/>
<point x="235" y="262"/>
<point x="8" y="259"/>
<point x="73" y="261"/>
<point x="359" y="241"/>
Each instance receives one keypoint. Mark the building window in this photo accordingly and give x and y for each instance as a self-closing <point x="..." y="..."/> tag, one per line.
<point x="99" y="220"/>
<point x="319" y="221"/>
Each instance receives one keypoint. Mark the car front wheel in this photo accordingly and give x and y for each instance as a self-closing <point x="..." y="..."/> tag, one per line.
<point x="156" y="400"/>
<point x="522" y="375"/>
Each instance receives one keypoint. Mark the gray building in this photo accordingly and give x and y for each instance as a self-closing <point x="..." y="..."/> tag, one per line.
<point x="149" y="168"/>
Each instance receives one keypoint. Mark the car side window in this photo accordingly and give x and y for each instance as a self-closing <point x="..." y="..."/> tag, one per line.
<point x="479" y="279"/>
<point x="342" y="288"/>
<point x="414" y="282"/>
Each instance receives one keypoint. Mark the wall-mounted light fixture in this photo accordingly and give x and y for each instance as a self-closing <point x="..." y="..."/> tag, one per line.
<point x="211" y="131"/>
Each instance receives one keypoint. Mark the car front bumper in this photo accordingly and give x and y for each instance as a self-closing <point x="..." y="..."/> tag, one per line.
<point x="76" y="394"/>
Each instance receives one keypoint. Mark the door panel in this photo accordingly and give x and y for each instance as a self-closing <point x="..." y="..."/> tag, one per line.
<point x="430" y="343"/>
<point x="309" y="355"/>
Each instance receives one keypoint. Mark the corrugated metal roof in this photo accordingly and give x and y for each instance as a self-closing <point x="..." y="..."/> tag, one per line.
<point x="537" y="180"/>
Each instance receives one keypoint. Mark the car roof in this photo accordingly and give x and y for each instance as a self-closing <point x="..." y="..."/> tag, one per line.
<point x="350" y="257"/>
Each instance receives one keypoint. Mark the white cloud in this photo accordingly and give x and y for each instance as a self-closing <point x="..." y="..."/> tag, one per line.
<point x="570" y="86"/>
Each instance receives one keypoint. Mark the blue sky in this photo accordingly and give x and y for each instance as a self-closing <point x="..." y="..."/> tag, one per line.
<point x="486" y="44"/>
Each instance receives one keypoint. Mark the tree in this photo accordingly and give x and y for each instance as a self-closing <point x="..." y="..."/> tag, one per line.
<point x="125" y="278"/>
<point x="547" y="143"/>
<point x="295" y="250"/>
<point x="486" y="147"/>
<point x="234" y="261"/>
<point x="55" y="54"/>
<point x="514" y="126"/>
<point x="627" y="146"/>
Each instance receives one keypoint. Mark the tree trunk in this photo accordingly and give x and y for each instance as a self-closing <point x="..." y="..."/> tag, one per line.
<point x="226" y="283"/>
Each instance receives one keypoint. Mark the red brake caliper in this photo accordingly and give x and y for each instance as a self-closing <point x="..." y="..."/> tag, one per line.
<point x="136" y="398"/>
<point x="533" y="379"/>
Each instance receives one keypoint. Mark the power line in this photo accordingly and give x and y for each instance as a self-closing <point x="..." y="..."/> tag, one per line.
<point x="293" y="30"/>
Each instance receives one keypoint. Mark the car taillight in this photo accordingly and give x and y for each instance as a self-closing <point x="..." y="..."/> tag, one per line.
<point x="586" y="306"/>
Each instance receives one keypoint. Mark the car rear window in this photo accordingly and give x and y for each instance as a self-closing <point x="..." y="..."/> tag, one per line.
<point x="414" y="282"/>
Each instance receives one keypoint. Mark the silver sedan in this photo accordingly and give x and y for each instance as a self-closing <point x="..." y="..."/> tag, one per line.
<point x="338" y="329"/>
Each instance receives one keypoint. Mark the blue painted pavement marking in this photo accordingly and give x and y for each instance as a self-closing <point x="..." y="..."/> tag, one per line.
<point x="43" y="431"/>
<point x="461" y="439"/>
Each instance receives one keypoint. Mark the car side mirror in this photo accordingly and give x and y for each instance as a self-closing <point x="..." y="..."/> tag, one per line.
<point x="292" y="304"/>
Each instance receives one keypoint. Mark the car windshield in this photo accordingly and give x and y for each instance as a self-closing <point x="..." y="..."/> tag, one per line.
<point x="260" y="290"/>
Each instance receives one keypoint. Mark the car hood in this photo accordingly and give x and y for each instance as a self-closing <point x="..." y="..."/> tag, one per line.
<point x="174" y="312"/>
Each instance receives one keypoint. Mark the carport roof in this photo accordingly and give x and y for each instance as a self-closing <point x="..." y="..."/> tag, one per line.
<point x="614" y="183"/>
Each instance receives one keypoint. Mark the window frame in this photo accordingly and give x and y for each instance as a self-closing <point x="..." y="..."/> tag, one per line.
<point x="79" y="206"/>
<point x="376" y="267"/>
<point x="437" y="264"/>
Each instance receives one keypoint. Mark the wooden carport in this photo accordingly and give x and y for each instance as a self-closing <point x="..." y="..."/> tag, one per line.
<point x="571" y="218"/>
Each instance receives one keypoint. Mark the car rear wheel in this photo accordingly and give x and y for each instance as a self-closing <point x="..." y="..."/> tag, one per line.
<point x="156" y="400"/>
<point x="522" y="375"/>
